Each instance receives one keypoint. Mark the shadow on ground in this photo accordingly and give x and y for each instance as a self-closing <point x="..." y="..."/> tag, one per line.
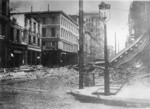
<point x="131" y="103"/>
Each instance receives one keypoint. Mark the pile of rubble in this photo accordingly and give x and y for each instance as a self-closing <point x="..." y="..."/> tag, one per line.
<point x="68" y="74"/>
<point x="24" y="73"/>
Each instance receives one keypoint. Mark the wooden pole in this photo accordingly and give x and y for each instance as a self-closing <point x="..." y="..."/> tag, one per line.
<point x="115" y="45"/>
<point x="81" y="43"/>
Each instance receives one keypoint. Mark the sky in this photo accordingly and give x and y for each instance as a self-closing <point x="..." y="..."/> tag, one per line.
<point x="119" y="12"/>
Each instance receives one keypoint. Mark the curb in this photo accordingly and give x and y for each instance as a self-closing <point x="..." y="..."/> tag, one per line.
<point x="110" y="100"/>
<point x="85" y="98"/>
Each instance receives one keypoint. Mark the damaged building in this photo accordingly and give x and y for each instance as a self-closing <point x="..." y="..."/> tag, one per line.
<point x="12" y="46"/>
<point x="17" y="46"/>
<point x="4" y="23"/>
<point x="59" y="39"/>
<point x="20" y="44"/>
<point x="32" y="32"/>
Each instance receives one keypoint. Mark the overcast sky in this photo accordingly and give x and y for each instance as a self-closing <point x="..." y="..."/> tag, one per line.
<point x="118" y="22"/>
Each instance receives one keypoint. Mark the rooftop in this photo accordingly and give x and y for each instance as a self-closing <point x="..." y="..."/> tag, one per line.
<point x="47" y="12"/>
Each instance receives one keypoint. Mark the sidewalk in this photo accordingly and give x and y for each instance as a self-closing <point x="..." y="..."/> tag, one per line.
<point x="133" y="95"/>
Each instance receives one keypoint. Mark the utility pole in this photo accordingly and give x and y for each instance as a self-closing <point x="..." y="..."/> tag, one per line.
<point x="118" y="47"/>
<point x="115" y="45"/>
<point x="81" y="44"/>
<point x="48" y="7"/>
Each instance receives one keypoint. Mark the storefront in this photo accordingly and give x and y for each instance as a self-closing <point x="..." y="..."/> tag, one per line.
<point x="33" y="56"/>
<point x="16" y="55"/>
<point x="3" y="54"/>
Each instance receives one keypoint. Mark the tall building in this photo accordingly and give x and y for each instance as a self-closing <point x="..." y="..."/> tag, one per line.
<point x="30" y="36"/>
<point x="33" y="33"/>
<point x="93" y="36"/>
<point x="4" y="24"/>
<point x="17" y="47"/>
<point x="94" y="25"/>
<point x="12" y="42"/>
<point x="138" y="19"/>
<point x="90" y="47"/>
<point x="59" y="39"/>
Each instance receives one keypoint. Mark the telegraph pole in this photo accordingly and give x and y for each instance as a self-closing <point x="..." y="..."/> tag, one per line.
<point x="115" y="45"/>
<point x="81" y="44"/>
<point x="118" y="47"/>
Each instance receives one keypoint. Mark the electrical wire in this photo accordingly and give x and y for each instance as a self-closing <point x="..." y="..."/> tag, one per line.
<point x="120" y="9"/>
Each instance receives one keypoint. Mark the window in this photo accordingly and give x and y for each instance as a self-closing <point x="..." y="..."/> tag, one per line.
<point x="0" y="29"/>
<point x="34" y="40"/>
<point x="61" y="32"/>
<point x="3" y="29"/>
<point x="38" y="41"/>
<point x="44" y="32"/>
<point x="4" y="8"/>
<point x="53" y="45"/>
<point x="53" y="20"/>
<point x="53" y="32"/>
<point x="30" y="23"/>
<point x="35" y="27"/>
<point x="12" y="34"/>
<point x="29" y="39"/>
<point x="39" y="28"/>
<point x="43" y="44"/>
<point x="26" y="22"/>
<point x="17" y="36"/>
<point x="43" y="20"/>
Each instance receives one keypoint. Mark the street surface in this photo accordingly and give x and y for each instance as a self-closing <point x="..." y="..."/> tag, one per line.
<point x="49" y="93"/>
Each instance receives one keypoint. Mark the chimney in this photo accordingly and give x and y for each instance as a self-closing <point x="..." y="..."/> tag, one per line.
<point x="48" y="7"/>
<point x="31" y="9"/>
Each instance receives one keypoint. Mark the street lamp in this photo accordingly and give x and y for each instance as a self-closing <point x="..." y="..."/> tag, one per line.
<point x="104" y="16"/>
